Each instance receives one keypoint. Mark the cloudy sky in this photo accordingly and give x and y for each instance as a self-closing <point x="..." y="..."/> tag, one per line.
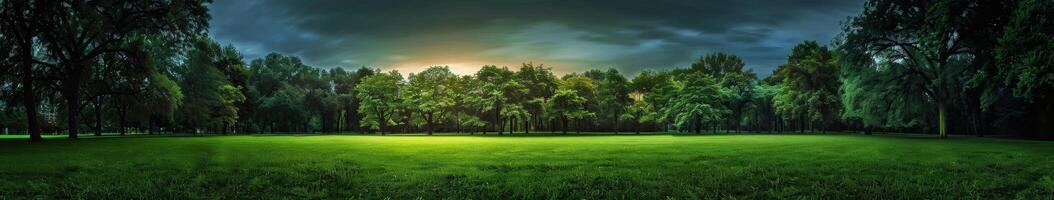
<point x="567" y="35"/>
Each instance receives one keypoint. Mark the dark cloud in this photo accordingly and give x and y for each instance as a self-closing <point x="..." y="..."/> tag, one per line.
<point x="568" y="35"/>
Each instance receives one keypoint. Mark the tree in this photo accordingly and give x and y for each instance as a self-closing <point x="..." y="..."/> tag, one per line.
<point x="741" y="91"/>
<point x="288" y="100"/>
<point x="430" y="93"/>
<point x="1026" y="52"/>
<point x="134" y="81"/>
<point x="379" y="97"/>
<point x="924" y="39"/>
<point x="541" y="84"/>
<point x="639" y="113"/>
<point x="304" y="94"/>
<point x="344" y="83"/>
<point x="698" y="101"/>
<point x="729" y="70"/>
<point x="655" y="88"/>
<point x="574" y="106"/>
<point x="17" y="19"/>
<point x="76" y="33"/>
<point x="499" y="89"/>
<point x="809" y="86"/>
<point x="876" y="98"/>
<point x="612" y="96"/>
<point x="209" y="100"/>
<point x="233" y="66"/>
<point x="719" y="64"/>
<point x="760" y="110"/>
<point x="566" y="105"/>
<point x="468" y="102"/>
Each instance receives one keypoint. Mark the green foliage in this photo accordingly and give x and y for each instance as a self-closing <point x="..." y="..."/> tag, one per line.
<point x="719" y="64"/>
<point x="760" y="108"/>
<point x="379" y="97"/>
<point x="76" y="36"/>
<point x="639" y="113"/>
<point x="809" y="89"/>
<point x="431" y="93"/>
<point x="697" y="101"/>
<point x="208" y="98"/>
<point x="1026" y="50"/>
<point x="878" y="97"/>
<point x="568" y="104"/>
<point x="612" y="96"/>
<point x="501" y="90"/>
<point x="899" y="65"/>
<point x="925" y="39"/>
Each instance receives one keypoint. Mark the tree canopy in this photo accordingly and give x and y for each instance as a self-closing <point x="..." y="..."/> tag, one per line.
<point x="941" y="67"/>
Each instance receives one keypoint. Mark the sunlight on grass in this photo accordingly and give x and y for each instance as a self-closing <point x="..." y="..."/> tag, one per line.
<point x="495" y="167"/>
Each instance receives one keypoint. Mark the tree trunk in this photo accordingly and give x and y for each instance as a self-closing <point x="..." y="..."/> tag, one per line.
<point x="698" y="125"/>
<point x="29" y="95"/>
<point x="498" y="124"/>
<point x="501" y="125"/>
<point x="383" y="123"/>
<point x="578" y="126"/>
<point x="431" y="128"/>
<point x="72" y="93"/>
<point x="636" y="128"/>
<point x="527" y="125"/>
<point x="552" y="125"/>
<point x="942" y="124"/>
<point x="564" y="123"/>
<point x="98" y="116"/>
<point x="124" y="114"/>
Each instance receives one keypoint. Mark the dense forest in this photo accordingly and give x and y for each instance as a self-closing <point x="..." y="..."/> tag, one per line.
<point x="969" y="67"/>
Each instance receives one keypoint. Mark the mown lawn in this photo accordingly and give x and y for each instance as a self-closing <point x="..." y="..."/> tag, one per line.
<point x="535" y="167"/>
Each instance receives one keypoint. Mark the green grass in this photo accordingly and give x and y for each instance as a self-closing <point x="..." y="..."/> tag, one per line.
<point x="542" y="167"/>
<point x="14" y="137"/>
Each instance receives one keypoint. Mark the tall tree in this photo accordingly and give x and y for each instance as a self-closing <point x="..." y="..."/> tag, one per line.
<point x="468" y="103"/>
<point x="566" y="105"/>
<point x="872" y="97"/>
<point x="574" y="106"/>
<point x="541" y="85"/>
<point x="76" y="33"/>
<point x="697" y="102"/>
<point x="1026" y="54"/>
<point x="809" y="86"/>
<point x="18" y="21"/>
<point x="639" y="112"/>
<point x="925" y="38"/>
<point x="730" y="71"/>
<point x="209" y="100"/>
<point x="719" y="64"/>
<point x="499" y="90"/>
<point x="430" y="93"/>
<point x="657" y="89"/>
<point x="613" y="97"/>
<point x="379" y="97"/>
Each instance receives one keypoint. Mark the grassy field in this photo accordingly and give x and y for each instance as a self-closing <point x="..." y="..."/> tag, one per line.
<point x="534" y="167"/>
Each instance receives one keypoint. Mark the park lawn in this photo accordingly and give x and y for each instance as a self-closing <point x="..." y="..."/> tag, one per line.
<point x="23" y="137"/>
<point x="528" y="167"/>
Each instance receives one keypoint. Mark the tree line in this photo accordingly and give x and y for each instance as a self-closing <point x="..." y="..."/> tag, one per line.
<point x="948" y="66"/>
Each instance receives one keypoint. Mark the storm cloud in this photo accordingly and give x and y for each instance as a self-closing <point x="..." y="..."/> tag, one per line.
<point x="569" y="36"/>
